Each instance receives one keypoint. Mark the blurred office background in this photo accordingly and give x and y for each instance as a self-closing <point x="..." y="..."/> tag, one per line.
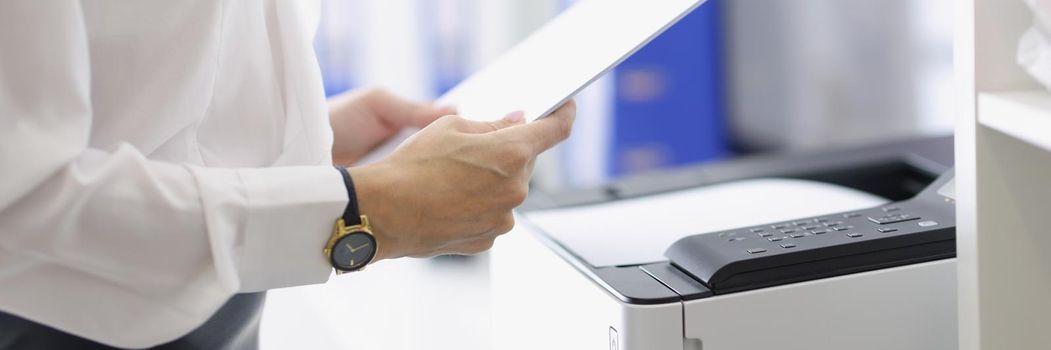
<point x="736" y="77"/>
<point x="733" y="78"/>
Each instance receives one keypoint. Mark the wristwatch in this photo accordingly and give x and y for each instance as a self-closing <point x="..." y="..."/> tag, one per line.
<point x="352" y="245"/>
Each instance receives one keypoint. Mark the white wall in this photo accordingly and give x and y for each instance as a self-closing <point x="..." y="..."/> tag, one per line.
<point x="817" y="72"/>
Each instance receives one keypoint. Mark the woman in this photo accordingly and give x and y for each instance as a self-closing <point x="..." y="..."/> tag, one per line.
<point x="161" y="157"/>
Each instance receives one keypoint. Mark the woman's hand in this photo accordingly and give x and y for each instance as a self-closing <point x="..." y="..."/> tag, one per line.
<point x="452" y="186"/>
<point x="363" y="119"/>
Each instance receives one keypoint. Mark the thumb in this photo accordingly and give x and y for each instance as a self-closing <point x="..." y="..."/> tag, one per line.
<point x="544" y="133"/>
<point x="480" y="127"/>
<point x="511" y="119"/>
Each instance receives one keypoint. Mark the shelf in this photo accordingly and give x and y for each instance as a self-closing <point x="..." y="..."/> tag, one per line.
<point x="1025" y="115"/>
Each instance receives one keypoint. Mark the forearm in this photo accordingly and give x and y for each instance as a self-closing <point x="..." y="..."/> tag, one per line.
<point x="140" y="240"/>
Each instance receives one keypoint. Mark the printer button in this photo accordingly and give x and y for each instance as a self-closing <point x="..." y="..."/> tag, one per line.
<point x="775" y="239"/>
<point x="854" y="235"/>
<point x="818" y="232"/>
<point x="788" y="245"/>
<point x="891" y="219"/>
<point x="765" y="234"/>
<point x="886" y="230"/>
<point x="756" y="251"/>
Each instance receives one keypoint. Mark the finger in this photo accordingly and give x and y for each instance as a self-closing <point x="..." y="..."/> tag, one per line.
<point x="477" y="127"/>
<point x="475" y="247"/>
<point x="527" y="172"/>
<point x="542" y="134"/>
<point x="488" y="226"/>
<point x="429" y="114"/>
<point x="395" y="112"/>
<point x="506" y="224"/>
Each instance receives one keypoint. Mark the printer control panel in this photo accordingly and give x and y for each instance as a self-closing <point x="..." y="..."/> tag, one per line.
<point x="845" y="226"/>
<point x="916" y="230"/>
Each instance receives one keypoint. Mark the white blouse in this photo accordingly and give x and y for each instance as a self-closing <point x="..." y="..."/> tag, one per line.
<point x="158" y="156"/>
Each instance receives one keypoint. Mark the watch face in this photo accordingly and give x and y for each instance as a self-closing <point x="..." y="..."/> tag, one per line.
<point x="353" y="251"/>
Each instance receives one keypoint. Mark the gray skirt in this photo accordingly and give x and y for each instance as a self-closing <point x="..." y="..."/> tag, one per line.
<point x="234" y="326"/>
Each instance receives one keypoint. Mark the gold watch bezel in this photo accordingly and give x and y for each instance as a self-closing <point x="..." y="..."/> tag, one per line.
<point x="342" y="230"/>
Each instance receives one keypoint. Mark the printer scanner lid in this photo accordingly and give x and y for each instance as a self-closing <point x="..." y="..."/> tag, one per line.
<point x="638" y="230"/>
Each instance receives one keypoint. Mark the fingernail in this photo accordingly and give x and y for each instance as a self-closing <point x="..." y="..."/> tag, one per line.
<point x="515" y="117"/>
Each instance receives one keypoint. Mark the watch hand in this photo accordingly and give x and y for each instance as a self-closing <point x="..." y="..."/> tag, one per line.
<point x="352" y="249"/>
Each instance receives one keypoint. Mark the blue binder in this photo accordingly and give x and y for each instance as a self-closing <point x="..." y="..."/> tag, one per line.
<point x="669" y="104"/>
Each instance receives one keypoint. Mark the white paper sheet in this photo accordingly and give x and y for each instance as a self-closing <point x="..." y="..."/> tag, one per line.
<point x="638" y="231"/>
<point x="561" y="58"/>
<point x="550" y="66"/>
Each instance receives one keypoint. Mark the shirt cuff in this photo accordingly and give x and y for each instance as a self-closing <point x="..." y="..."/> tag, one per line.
<point x="269" y="230"/>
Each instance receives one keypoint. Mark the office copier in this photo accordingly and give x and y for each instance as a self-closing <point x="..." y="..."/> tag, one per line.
<point x="835" y="249"/>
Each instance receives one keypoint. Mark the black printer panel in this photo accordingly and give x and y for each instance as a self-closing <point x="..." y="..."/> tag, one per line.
<point x="907" y="232"/>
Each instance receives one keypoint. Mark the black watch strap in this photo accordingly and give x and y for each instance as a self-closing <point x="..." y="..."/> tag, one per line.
<point x="352" y="215"/>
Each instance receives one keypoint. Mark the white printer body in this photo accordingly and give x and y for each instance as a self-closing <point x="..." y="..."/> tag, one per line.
<point x="729" y="256"/>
